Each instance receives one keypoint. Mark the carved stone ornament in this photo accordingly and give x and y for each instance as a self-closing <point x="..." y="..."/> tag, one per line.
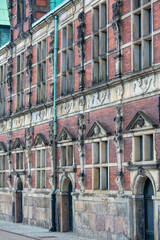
<point x="81" y="182"/>
<point x="68" y="106"/>
<point x="116" y="25"/>
<point x="97" y="130"/>
<point x="65" y="136"/>
<point x="18" y="144"/>
<point x="40" y="140"/>
<point x="118" y="143"/>
<point x="2" y="147"/>
<point x="119" y="182"/>
<point x="144" y="85"/>
<point x="81" y="47"/>
<point x="50" y="133"/>
<point x="51" y="179"/>
<point x="9" y="181"/>
<point x="141" y="121"/>
<point x="29" y="181"/>
<point x="80" y="145"/>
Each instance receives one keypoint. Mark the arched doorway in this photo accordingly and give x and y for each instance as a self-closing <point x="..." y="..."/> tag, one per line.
<point x="66" y="223"/>
<point x="144" y="190"/>
<point x="18" y="200"/>
<point x="148" y="206"/>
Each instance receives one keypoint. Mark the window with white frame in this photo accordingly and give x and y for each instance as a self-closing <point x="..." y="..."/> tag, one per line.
<point x="67" y="60"/>
<point x="142" y="34"/>
<point x="143" y="146"/>
<point x="3" y="80"/>
<point x="2" y="171"/>
<point x="41" y="71"/>
<point x="20" y="83"/>
<point x="99" y="43"/>
<point x="67" y="155"/>
<point x="19" y="161"/>
<point x="41" y="168"/>
<point x="100" y="163"/>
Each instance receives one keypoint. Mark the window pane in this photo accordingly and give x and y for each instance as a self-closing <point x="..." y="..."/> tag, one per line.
<point x="43" y="180"/>
<point x="38" y="159"/>
<point x="43" y="158"/>
<point x="38" y="179"/>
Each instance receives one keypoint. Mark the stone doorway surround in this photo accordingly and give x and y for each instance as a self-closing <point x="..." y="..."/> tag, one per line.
<point x="138" y="205"/>
<point x="18" y="199"/>
<point x="66" y="205"/>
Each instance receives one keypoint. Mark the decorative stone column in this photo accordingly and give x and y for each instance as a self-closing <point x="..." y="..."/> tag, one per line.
<point x="81" y="48"/>
<point x="9" y="157"/>
<point x="118" y="140"/>
<point x="118" y="35"/>
<point x="28" y="155"/>
<point x="29" y="74"/>
<point x="80" y="145"/>
<point x="9" y="82"/>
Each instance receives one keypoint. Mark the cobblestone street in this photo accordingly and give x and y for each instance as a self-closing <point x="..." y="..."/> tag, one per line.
<point x="18" y="231"/>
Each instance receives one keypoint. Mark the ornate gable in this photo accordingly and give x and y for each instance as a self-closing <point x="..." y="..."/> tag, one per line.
<point x="2" y="147"/>
<point x="18" y="144"/>
<point x="97" y="130"/>
<point x="65" y="136"/>
<point x="141" y="121"/>
<point x="40" y="140"/>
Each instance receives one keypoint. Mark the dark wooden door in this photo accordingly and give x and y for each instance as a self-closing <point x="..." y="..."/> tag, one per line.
<point x="70" y="207"/>
<point x="149" y="216"/>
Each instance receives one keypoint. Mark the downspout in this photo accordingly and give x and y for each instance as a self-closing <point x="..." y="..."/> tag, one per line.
<point x="53" y="195"/>
<point x="52" y="4"/>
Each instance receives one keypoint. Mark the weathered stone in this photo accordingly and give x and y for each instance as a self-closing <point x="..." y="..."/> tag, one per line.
<point x="103" y="207"/>
<point x="91" y="207"/>
<point x="79" y="206"/>
<point x="92" y="217"/>
<point x="112" y="210"/>
<point x="121" y="225"/>
<point x="78" y="219"/>
<point x="85" y="220"/>
<point x="100" y="226"/>
<point x="121" y="210"/>
<point x="110" y="223"/>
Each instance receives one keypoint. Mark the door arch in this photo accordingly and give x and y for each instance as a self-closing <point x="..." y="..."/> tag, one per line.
<point x="18" y="199"/>
<point x="66" y="213"/>
<point x="143" y="206"/>
<point x="148" y="209"/>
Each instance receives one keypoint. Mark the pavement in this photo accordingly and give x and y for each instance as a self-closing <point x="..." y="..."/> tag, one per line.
<point x="18" y="231"/>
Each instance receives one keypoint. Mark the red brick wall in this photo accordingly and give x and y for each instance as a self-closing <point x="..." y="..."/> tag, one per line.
<point x="88" y="153"/>
<point x="156" y="42"/>
<point x="126" y="30"/>
<point x="112" y="177"/>
<point x="156" y="15"/>
<point x="127" y="149"/>
<point x="126" y="60"/>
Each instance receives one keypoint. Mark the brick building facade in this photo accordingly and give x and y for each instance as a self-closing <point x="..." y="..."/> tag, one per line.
<point x="79" y="120"/>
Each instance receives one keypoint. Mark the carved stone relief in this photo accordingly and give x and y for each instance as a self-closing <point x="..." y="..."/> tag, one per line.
<point x="145" y="85"/>
<point x="97" y="99"/>
<point x="119" y="92"/>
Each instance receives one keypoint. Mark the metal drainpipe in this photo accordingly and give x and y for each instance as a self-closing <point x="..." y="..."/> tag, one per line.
<point x="52" y="4"/>
<point x="53" y="195"/>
